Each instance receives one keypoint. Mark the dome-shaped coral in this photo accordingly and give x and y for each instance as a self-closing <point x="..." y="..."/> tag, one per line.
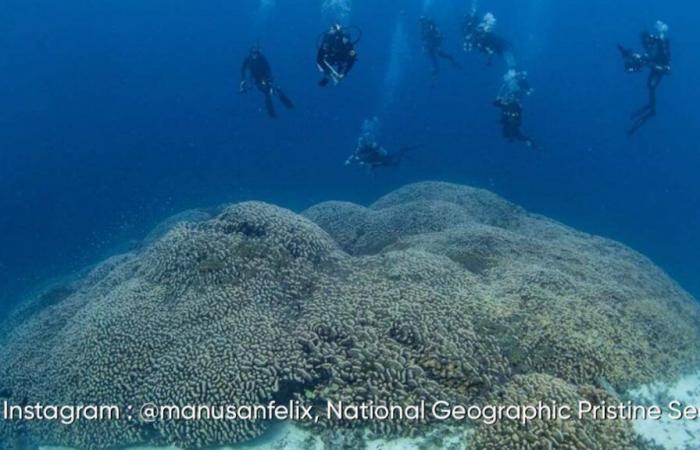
<point x="441" y="292"/>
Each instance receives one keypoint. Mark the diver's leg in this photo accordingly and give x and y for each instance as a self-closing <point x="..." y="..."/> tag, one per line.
<point x="434" y="61"/>
<point x="450" y="58"/>
<point x="269" y="106"/>
<point x="641" y="120"/>
<point x="653" y="80"/>
<point x="266" y="88"/>
<point x="284" y="99"/>
<point x="637" y="125"/>
<point x="650" y="108"/>
<point x="641" y="112"/>
<point x="649" y="111"/>
<point x="652" y="85"/>
<point x="646" y="109"/>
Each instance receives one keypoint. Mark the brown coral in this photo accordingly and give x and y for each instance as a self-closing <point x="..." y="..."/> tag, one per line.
<point x="436" y="291"/>
<point x="545" y="432"/>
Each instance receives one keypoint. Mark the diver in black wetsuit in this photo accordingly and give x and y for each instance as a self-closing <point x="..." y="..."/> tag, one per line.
<point x="478" y="35"/>
<point x="257" y="66"/>
<point x="657" y="57"/>
<point x="512" y="120"/>
<point x="336" y="54"/>
<point x="372" y="155"/>
<point x="432" y="41"/>
<point x="509" y="101"/>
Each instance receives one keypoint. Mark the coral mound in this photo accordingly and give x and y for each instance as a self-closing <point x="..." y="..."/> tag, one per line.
<point x="585" y="433"/>
<point x="435" y="292"/>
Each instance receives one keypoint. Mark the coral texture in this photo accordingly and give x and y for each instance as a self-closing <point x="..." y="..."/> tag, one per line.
<point x="436" y="291"/>
<point x="575" y="434"/>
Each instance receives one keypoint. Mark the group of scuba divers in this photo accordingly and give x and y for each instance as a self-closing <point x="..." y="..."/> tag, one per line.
<point x="335" y="58"/>
<point x="337" y="55"/>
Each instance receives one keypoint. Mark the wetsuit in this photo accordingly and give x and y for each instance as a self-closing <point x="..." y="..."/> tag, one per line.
<point x="372" y="156"/>
<point x="476" y="37"/>
<point x="432" y="41"/>
<point x="259" y="68"/>
<point x="336" y="56"/>
<point x="657" y="58"/>
<point x="512" y="120"/>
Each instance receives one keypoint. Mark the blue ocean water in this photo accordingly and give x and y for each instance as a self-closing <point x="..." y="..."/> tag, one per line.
<point x="116" y="114"/>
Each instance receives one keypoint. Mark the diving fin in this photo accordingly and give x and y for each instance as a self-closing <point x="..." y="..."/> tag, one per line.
<point x="270" y="106"/>
<point x="641" y="112"/>
<point x="284" y="99"/>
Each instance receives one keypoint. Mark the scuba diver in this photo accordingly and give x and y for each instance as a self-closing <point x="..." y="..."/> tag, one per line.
<point x="479" y="35"/>
<point x="370" y="154"/>
<point x="509" y="100"/>
<point x="656" y="57"/>
<point x="336" y="54"/>
<point x="257" y="66"/>
<point x="432" y="41"/>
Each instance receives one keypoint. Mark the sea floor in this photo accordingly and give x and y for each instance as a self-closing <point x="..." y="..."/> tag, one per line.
<point x="666" y="432"/>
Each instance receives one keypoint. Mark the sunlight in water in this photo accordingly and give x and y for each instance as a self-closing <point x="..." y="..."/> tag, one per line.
<point x="535" y="17"/>
<point x="266" y="6"/>
<point x="336" y="9"/>
<point x="427" y="4"/>
<point x="265" y="10"/>
<point x="370" y="131"/>
<point x="397" y="61"/>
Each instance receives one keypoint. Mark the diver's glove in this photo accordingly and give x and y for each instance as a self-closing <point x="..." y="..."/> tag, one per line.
<point x="243" y="88"/>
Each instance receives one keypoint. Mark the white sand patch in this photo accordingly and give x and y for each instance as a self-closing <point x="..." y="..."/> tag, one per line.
<point x="669" y="433"/>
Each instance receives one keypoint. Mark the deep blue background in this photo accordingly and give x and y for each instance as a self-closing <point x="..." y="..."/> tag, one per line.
<point x="115" y="114"/>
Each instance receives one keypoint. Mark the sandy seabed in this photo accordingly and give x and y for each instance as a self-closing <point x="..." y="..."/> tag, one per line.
<point x="666" y="432"/>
